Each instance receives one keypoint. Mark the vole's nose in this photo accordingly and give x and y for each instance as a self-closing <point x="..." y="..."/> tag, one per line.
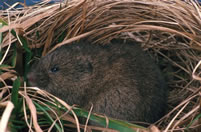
<point x="31" y="79"/>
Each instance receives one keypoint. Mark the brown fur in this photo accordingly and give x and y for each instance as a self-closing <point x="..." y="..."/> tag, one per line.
<point x="119" y="79"/>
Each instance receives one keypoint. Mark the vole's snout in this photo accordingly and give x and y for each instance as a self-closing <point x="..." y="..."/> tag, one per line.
<point x="31" y="79"/>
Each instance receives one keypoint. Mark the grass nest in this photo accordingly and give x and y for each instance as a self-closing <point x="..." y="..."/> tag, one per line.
<point x="170" y="30"/>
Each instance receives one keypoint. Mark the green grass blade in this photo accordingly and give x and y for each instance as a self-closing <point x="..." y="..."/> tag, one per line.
<point x="191" y="123"/>
<point x="14" y="94"/>
<point x="47" y="115"/>
<point x="114" y="124"/>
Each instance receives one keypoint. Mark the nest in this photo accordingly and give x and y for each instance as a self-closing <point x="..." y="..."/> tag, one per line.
<point x="169" y="30"/>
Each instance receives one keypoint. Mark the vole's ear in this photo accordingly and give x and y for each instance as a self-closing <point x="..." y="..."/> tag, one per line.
<point x="84" y="66"/>
<point x="90" y="67"/>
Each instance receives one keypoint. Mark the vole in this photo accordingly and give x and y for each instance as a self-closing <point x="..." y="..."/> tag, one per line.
<point x="119" y="79"/>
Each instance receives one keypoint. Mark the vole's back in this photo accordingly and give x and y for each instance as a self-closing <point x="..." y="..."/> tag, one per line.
<point x="119" y="79"/>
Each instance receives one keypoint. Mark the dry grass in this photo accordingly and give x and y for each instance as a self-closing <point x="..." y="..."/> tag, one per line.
<point x="169" y="29"/>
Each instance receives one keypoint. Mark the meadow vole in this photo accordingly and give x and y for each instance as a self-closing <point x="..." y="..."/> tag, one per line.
<point x="119" y="79"/>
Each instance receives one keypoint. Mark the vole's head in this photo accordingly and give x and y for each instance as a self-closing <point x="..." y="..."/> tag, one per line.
<point x="66" y="67"/>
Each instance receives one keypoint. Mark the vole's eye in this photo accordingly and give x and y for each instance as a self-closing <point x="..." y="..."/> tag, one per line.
<point x="54" y="69"/>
